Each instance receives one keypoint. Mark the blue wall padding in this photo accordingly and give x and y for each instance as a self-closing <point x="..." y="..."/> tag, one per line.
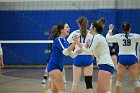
<point x="31" y="25"/>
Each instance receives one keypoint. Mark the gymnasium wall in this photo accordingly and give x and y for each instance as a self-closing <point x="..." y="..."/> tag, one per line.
<point x="33" y="19"/>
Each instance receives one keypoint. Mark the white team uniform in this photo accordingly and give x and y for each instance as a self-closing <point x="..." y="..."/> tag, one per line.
<point x="100" y="49"/>
<point x="81" y="39"/>
<point x="126" y="46"/>
<point x="83" y="59"/>
<point x="138" y="51"/>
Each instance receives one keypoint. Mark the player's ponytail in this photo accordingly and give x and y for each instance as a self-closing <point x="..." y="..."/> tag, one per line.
<point x="83" y="23"/>
<point x="101" y="22"/>
<point x="54" y="32"/>
<point x="126" y="28"/>
<point x="99" y="28"/>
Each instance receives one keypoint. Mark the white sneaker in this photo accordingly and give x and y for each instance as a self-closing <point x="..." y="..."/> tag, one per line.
<point x="43" y="83"/>
<point x="139" y="79"/>
<point x="65" y="81"/>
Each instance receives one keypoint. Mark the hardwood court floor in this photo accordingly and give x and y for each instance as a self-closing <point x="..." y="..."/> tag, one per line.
<point x="28" y="80"/>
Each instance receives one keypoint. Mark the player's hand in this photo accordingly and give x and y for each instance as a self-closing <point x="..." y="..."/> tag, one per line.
<point x="75" y="38"/>
<point x="79" y="51"/>
<point x="111" y="27"/>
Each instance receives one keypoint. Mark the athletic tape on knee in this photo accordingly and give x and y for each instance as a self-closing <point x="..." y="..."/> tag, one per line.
<point x="136" y="84"/>
<point x="108" y="92"/>
<point x="118" y="83"/>
<point x="88" y="81"/>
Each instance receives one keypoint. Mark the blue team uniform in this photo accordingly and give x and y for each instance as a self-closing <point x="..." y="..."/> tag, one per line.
<point x="57" y="57"/>
<point x="127" y="60"/>
<point x="83" y="60"/>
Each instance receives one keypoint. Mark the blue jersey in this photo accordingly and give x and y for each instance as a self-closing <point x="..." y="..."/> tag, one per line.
<point x="57" y="57"/>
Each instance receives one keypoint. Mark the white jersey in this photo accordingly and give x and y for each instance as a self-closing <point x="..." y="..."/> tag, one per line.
<point x="1" y="52"/>
<point x="138" y="51"/>
<point x="126" y="46"/>
<point x="100" y="49"/>
<point x="80" y="38"/>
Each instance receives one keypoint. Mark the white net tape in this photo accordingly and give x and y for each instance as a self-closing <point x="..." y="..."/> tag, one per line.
<point x="26" y="41"/>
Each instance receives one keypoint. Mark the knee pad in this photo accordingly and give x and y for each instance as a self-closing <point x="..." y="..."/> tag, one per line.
<point x="88" y="81"/>
<point x="49" y="91"/>
<point x="119" y="83"/>
<point x="60" y="92"/>
<point x="108" y="92"/>
<point x="136" y="84"/>
<point x="139" y="70"/>
<point x="75" y="83"/>
<point x="49" y="78"/>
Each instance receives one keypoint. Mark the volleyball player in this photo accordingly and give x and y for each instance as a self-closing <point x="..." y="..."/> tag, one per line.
<point x="99" y="47"/>
<point x="60" y="47"/>
<point x="113" y="49"/>
<point x="83" y="62"/>
<point x="113" y="52"/>
<point x="51" y="37"/>
<point x="1" y="59"/>
<point x="46" y="78"/>
<point x="138" y="55"/>
<point x="127" y="55"/>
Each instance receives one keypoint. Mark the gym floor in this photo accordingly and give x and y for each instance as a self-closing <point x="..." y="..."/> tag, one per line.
<point x="28" y="80"/>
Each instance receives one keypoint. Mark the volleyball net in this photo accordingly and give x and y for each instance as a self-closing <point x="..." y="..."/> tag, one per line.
<point x="26" y="41"/>
<point x="26" y="53"/>
<point x="29" y="53"/>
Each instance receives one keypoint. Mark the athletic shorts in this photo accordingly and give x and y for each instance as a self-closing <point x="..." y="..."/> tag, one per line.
<point x="106" y="67"/>
<point x="52" y="66"/>
<point x="127" y="60"/>
<point x="83" y="60"/>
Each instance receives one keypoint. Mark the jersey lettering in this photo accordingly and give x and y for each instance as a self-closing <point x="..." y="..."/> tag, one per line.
<point x="126" y="42"/>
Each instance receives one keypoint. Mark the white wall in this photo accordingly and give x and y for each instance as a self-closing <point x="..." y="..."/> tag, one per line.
<point x="125" y="4"/>
<point x="40" y="0"/>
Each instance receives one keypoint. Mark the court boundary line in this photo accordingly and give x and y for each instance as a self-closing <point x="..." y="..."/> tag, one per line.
<point x="37" y="66"/>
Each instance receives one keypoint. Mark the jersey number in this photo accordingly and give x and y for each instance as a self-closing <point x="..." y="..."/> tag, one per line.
<point x="126" y="42"/>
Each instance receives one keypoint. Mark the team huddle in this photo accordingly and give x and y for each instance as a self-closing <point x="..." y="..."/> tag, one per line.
<point x="83" y="45"/>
